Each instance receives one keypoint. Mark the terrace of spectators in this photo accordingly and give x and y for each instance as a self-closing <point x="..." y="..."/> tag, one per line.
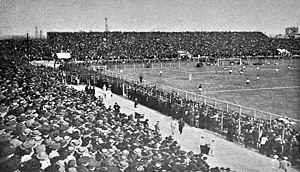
<point x="141" y="45"/>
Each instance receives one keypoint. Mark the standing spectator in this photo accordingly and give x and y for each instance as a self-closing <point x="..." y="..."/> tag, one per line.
<point x="160" y="73"/>
<point x="285" y="164"/>
<point x="156" y="128"/>
<point x="136" y="102"/>
<point x="212" y="147"/>
<point x="275" y="164"/>
<point x="181" y="125"/>
<point x="109" y="91"/>
<point x="247" y="138"/>
<point x="145" y="123"/>
<point x="117" y="107"/>
<point x="263" y="141"/>
<point x="173" y="125"/>
<point x="104" y="87"/>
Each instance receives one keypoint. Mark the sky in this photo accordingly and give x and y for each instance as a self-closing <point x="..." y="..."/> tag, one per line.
<point x="267" y="16"/>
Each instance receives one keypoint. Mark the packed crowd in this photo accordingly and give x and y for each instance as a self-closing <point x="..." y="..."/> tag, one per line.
<point x="137" y="46"/>
<point x="278" y="138"/>
<point x="47" y="126"/>
<point x="158" y="44"/>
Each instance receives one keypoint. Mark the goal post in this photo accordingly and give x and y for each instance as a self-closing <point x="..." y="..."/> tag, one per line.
<point x="229" y="62"/>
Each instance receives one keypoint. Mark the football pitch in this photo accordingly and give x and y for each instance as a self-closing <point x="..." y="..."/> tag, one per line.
<point x="276" y="92"/>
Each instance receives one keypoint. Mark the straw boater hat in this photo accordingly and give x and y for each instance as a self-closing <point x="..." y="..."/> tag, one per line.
<point x="28" y="144"/>
<point x="137" y="151"/>
<point x="157" y="165"/>
<point x="75" y="143"/>
<point x="81" y="150"/>
<point x="42" y="156"/>
<point x="123" y="165"/>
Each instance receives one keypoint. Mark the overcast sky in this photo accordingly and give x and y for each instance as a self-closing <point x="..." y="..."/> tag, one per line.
<point x="270" y="16"/>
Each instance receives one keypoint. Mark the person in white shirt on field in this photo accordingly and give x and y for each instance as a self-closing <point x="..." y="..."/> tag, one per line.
<point x="275" y="164"/>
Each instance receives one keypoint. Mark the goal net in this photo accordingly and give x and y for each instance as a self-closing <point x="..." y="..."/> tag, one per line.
<point x="229" y="62"/>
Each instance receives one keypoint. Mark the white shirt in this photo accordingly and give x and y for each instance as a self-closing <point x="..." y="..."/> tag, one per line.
<point x="275" y="164"/>
<point x="203" y="141"/>
<point x="263" y="140"/>
<point x="53" y="154"/>
<point x="285" y="164"/>
<point x="173" y="123"/>
<point x="26" y="157"/>
<point x="45" y="163"/>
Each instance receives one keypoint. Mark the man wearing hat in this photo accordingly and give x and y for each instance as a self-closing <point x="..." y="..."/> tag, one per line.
<point x="27" y="146"/>
<point x="157" y="129"/>
<point x="275" y="164"/>
<point x="285" y="164"/>
<point x="44" y="160"/>
<point x="181" y="125"/>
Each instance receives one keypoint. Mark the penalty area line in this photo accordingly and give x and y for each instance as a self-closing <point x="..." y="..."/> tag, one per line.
<point x="253" y="89"/>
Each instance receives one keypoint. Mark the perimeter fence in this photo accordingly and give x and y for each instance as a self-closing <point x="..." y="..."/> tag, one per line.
<point x="197" y="97"/>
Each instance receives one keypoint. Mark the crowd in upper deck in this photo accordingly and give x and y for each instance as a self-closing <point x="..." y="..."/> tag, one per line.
<point x="145" y="45"/>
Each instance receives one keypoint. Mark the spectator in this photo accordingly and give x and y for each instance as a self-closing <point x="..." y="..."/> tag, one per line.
<point x="180" y="125"/>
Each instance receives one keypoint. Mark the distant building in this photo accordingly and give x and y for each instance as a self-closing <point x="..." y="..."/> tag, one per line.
<point x="291" y="31"/>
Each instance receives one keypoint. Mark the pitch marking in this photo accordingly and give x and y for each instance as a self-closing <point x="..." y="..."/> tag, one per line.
<point x="252" y="89"/>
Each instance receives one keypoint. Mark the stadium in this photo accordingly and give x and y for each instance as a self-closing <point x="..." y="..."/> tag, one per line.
<point x="165" y="98"/>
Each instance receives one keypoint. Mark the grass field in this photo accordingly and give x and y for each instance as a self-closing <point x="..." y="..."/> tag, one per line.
<point x="277" y="93"/>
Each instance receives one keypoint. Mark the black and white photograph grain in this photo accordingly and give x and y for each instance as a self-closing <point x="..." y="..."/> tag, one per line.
<point x="149" y="86"/>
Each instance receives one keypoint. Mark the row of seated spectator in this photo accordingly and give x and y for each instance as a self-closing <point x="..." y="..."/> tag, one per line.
<point x="141" y="45"/>
<point x="47" y="126"/>
<point x="254" y="133"/>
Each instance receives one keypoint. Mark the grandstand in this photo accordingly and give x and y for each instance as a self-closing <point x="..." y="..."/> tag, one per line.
<point x="145" y="52"/>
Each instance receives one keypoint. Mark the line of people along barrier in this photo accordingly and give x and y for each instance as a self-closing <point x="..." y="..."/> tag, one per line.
<point x="199" y="112"/>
